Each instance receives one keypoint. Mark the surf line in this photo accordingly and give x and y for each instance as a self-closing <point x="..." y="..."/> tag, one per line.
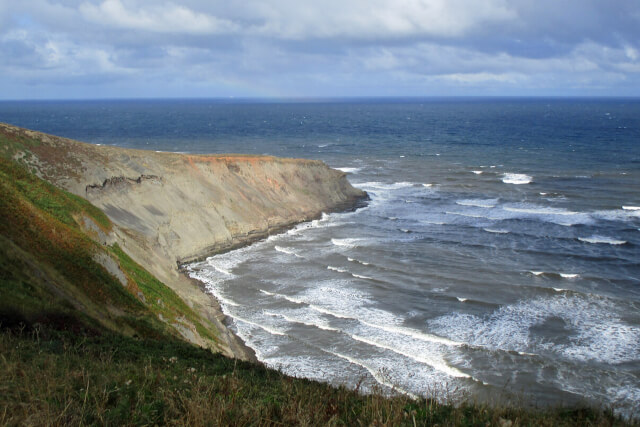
<point x="434" y="364"/>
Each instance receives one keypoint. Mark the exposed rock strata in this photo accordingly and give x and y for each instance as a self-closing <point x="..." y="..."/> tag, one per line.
<point x="176" y="208"/>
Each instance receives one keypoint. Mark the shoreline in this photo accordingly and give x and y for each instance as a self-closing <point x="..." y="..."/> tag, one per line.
<point x="170" y="209"/>
<point x="239" y="349"/>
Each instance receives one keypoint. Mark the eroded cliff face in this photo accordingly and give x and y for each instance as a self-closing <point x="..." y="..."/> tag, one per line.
<point x="175" y="208"/>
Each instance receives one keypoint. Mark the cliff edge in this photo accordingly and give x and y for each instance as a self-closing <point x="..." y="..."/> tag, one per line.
<point x="169" y="209"/>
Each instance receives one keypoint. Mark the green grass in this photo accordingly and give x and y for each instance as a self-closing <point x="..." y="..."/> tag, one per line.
<point x="59" y="378"/>
<point x="47" y="264"/>
<point x="160" y="298"/>
<point x="59" y="203"/>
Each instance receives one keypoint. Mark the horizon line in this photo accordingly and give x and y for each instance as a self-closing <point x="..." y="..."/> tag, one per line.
<point x="312" y="99"/>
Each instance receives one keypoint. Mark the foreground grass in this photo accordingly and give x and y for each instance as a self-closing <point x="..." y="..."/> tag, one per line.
<point x="52" y="377"/>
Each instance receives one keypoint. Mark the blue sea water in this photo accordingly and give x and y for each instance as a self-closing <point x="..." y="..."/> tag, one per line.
<point x="498" y="258"/>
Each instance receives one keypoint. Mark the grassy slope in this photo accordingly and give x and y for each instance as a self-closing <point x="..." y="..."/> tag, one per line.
<point x="78" y="347"/>
<point x="48" y="264"/>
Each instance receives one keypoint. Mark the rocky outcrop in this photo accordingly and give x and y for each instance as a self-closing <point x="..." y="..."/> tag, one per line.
<point x="176" y="208"/>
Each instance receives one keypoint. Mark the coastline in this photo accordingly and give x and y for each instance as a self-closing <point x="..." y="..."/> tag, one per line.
<point x="239" y="349"/>
<point x="170" y="209"/>
<point x="236" y="345"/>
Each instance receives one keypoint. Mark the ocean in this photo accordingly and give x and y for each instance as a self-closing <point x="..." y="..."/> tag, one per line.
<point x="498" y="258"/>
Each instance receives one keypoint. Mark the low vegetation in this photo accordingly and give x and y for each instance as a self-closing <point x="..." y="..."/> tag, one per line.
<point x="54" y="377"/>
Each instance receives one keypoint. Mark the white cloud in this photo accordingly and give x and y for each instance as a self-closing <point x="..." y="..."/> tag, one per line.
<point x="376" y="19"/>
<point x="161" y="18"/>
<point x="331" y="47"/>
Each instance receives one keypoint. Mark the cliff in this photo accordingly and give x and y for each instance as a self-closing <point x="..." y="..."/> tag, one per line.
<point x="168" y="208"/>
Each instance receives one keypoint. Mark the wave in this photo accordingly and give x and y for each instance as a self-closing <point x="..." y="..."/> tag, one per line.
<point x="477" y="172"/>
<point x="631" y="208"/>
<point x="467" y="215"/>
<point x="377" y="185"/>
<point x="462" y="299"/>
<point x="220" y="269"/>
<point x="516" y="178"/>
<point x="287" y="251"/>
<point x="497" y="231"/>
<point x="562" y="275"/>
<point x="479" y="203"/>
<point x="375" y="373"/>
<point x="272" y="331"/>
<point x="541" y="211"/>
<point x="349" y="170"/>
<point x="357" y="261"/>
<point x="598" y="333"/>
<point x="342" y="270"/>
<point x="347" y="243"/>
<point x="301" y="321"/>
<point x="602" y="240"/>
<point x="437" y="365"/>
<point x="432" y="222"/>
<point x="412" y="333"/>
<point x="422" y="336"/>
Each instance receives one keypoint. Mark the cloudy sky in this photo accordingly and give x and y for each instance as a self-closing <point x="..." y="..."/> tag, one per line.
<point x="308" y="48"/>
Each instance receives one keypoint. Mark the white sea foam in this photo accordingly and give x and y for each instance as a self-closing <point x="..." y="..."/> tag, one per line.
<point x="434" y="363"/>
<point x="348" y="243"/>
<point x="376" y="374"/>
<point x="412" y="333"/>
<point x="287" y="251"/>
<point x="602" y="240"/>
<point x="462" y="299"/>
<point x="291" y="319"/>
<point x="558" y="216"/>
<point x="376" y="185"/>
<point x="467" y="215"/>
<point x="427" y="185"/>
<point x="349" y="170"/>
<point x="477" y="172"/>
<point x="339" y="270"/>
<point x="357" y="260"/>
<point x="349" y="300"/>
<point x="220" y="269"/>
<point x="560" y="289"/>
<point x="597" y="331"/>
<point x="568" y="275"/>
<point x="329" y="312"/>
<point x="516" y="178"/>
<point x="361" y="277"/>
<point x="537" y="273"/>
<point x="479" y="203"/>
<point x="497" y="231"/>
<point x="268" y="329"/>
<point x="540" y="211"/>
<point x="631" y="208"/>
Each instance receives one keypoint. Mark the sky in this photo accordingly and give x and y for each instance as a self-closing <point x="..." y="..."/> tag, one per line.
<point x="89" y="49"/>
